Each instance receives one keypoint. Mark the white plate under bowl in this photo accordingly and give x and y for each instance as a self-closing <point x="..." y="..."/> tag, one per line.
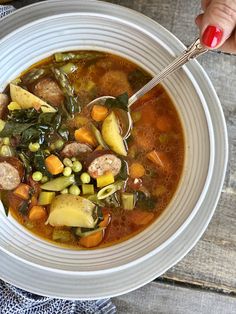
<point x="115" y="269"/>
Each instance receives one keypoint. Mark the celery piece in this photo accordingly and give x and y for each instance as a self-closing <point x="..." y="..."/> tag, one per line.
<point x="61" y="235"/>
<point x="128" y="201"/>
<point x="58" y="184"/>
<point x="69" y="68"/>
<point x="98" y="136"/>
<point x="87" y="189"/>
<point x="45" y="198"/>
<point x="105" y="179"/>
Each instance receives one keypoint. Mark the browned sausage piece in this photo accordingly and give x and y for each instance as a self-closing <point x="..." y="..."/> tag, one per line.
<point x="49" y="90"/>
<point x="106" y="162"/>
<point x="75" y="149"/>
<point x="114" y="83"/>
<point x="4" y="101"/>
<point x="11" y="173"/>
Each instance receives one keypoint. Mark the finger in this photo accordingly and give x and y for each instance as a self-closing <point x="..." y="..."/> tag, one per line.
<point x="205" y="4"/>
<point x="198" y="20"/>
<point x="218" y="22"/>
<point x="230" y="44"/>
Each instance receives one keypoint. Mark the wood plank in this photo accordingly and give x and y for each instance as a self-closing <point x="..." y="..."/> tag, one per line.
<point x="159" y="298"/>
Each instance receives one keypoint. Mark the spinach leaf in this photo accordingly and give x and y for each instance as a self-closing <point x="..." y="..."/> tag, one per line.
<point x="24" y="207"/>
<point x="13" y="129"/>
<point x="24" y="115"/>
<point x="26" y="162"/>
<point x="120" y="101"/>
<point x="39" y="163"/>
<point x="145" y="202"/>
<point x="64" y="132"/>
<point x="123" y="174"/>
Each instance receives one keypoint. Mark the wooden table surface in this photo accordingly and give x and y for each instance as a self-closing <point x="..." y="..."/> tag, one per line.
<point x="205" y="280"/>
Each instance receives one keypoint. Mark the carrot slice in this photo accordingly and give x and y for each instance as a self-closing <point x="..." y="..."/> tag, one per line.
<point x="37" y="213"/>
<point x="160" y="159"/>
<point x="84" y="135"/>
<point x="23" y="191"/>
<point x="54" y="165"/>
<point x="136" y="170"/>
<point x="92" y="240"/>
<point x="141" y="218"/>
<point x="99" y="113"/>
<point x="106" y="220"/>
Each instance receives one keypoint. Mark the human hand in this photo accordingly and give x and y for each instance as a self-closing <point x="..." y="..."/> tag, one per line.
<point x="218" y="24"/>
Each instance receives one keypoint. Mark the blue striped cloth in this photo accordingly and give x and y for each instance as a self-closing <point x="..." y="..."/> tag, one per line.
<point x="17" y="301"/>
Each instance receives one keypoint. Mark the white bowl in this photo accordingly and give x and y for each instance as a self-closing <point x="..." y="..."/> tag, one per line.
<point x="102" y="26"/>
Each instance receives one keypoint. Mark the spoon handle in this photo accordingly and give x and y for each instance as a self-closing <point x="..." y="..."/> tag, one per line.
<point x="193" y="51"/>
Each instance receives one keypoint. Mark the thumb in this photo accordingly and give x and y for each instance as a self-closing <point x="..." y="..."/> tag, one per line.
<point x="218" y="22"/>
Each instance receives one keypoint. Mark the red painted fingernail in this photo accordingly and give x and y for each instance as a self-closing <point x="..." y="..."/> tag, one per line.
<point x="212" y="36"/>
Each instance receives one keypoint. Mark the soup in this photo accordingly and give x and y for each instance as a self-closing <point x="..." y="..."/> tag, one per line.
<point x="66" y="172"/>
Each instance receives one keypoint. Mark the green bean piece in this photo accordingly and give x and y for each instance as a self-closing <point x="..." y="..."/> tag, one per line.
<point x="64" y="82"/>
<point x="58" y="184"/>
<point x="61" y="57"/>
<point x="37" y="176"/>
<point x="34" y="75"/>
<point x="69" y="68"/>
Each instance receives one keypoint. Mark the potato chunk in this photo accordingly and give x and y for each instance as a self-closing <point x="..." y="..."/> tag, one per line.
<point x="71" y="211"/>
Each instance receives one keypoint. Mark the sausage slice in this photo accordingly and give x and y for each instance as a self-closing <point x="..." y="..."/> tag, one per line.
<point x="49" y="90"/>
<point x="11" y="173"/>
<point x="107" y="162"/>
<point x="75" y="149"/>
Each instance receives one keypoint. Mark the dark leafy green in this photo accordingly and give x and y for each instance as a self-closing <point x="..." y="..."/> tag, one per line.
<point x="39" y="163"/>
<point x="72" y="105"/>
<point x="14" y="129"/>
<point x="24" y="208"/>
<point x="112" y="201"/>
<point x="145" y="202"/>
<point x="123" y="174"/>
<point x="24" y="115"/>
<point x="26" y="162"/>
<point x="120" y="102"/>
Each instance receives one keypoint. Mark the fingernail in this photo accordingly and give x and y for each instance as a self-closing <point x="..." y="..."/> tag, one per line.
<point x="212" y="36"/>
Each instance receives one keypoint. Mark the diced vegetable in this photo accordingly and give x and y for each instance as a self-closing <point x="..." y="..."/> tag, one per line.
<point x="58" y="184"/>
<point x="72" y="211"/>
<point x="106" y="220"/>
<point x="99" y="113"/>
<point x="26" y="99"/>
<point x="69" y="68"/>
<point x="136" y="170"/>
<point x="98" y="136"/>
<point x="6" y="151"/>
<point x="13" y="106"/>
<point x="106" y="191"/>
<point x="45" y="198"/>
<point x="161" y="159"/>
<point x="111" y="135"/>
<point x="34" y="147"/>
<point x="87" y="189"/>
<point x="2" y="125"/>
<point x="84" y="135"/>
<point x="105" y="179"/>
<point x="23" y="191"/>
<point x="54" y="165"/>
<point x="136" y="116"/>
<point x="92" y="240"/>
<point x="140" y="218"/>
<point x="37" y="213"/>
<point x="61" y="235"/>
<point x="128" y="201"/>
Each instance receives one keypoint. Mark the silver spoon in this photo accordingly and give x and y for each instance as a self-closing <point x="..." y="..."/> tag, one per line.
<point x="193" y="51"/>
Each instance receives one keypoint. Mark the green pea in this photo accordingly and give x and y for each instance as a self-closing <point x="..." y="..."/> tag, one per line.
<point x="6" y="151"/>
<point x="73" y="159"/>
<point x="65" y="191"/>
<point x="67" y="162"/>
<point x="44" y="179"/>
<point x="67" y="171"/>
<point x="59" y="144"/>
<point x="77" y="166"/>
<point x="52" y="146"/>
<point x="34" y="147"/>
<point x="6" y="141"/>
<point x="74" y="190"/>
<point x="85" y="177"/>
<point x="37" y="176"/>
